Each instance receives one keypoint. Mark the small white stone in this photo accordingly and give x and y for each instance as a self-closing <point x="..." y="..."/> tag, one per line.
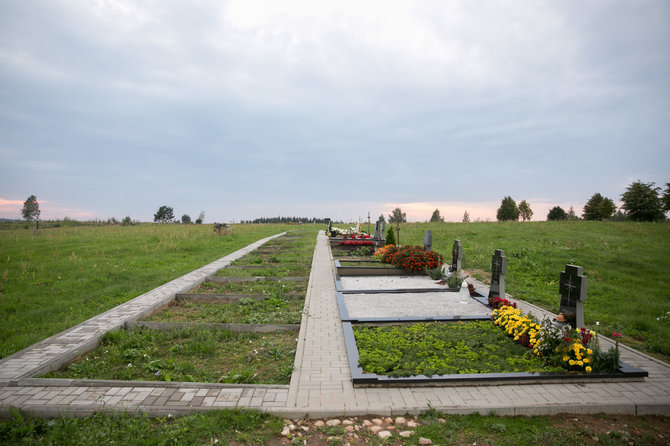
<point x="384" y="434"/>
<point x="442" y="420"/>
<point x="319" y="423"/>
<point x="367" y="423"/>
<point x="347" y="423"/>
<point x="285" y="432"/>
<point x="291" y="427"/>
<point x="349" y="428"/>
<point x="388" y="420"/>
<point x="412" y="424"/>
<point x="405" y="434"/>
<point x="333" y="422"/>
<point x="377" y="421"/>
<point x="305" y="428"/>
<point x="375" y="429"/>
<point x="400" y="420"/>
<point x="423" y="440"/>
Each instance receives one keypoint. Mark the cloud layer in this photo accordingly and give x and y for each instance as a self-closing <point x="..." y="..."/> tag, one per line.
<point x="247" y="109"/>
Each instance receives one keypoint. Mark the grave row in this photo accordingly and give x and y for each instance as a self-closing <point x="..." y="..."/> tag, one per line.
<point x="572" y="282"/>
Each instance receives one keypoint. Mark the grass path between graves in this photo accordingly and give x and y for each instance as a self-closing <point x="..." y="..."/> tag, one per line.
<point x="63" y="276"/>
<point x="626" y="264"/>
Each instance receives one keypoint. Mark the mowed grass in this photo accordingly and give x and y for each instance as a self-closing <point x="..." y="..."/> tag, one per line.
<point x="63" y="276"/>
<point x="627" y="265"/>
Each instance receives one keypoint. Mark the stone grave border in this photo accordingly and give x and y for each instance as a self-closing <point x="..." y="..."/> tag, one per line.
<point x="361" y="379"/>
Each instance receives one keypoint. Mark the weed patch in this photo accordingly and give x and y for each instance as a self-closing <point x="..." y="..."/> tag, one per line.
<point x="195" y="355"/>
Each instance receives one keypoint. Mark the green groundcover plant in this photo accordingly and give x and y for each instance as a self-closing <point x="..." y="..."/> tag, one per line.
<point x="442" y="349"/>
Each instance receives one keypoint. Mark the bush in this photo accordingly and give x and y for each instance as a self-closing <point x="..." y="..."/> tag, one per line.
<point x="390" y="236"/>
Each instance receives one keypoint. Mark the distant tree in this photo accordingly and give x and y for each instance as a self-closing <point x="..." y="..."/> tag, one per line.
<point x="525" y="211"/>
<point x="508" y="210"/>
<point x="572" y="215"/>
<point x="186" y="219"/>
<point x="619" y="216"/>
<point x="126" y="221"/>
<point x="201" y="218"/>
<point x="436" y="218"/>
<point x="381" y="219"/>
<point x="591" y="207"/>
<point x="31" y="210"/>
<point x="606" y="209"/>
<point x="165" y="214"/>
<point x="466" y="217"/>
<point x="557" y="213"/>
<point x="599" y="208"/>
<point x="398" y="216"/>
<point x="666" y="198"/>
<point x="641" y="202"/>
<point x="390" y="236"/>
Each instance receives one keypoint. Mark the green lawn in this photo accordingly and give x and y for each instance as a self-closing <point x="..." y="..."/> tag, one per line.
<point x="626" y="264"/>
<point x="52" y="281"/>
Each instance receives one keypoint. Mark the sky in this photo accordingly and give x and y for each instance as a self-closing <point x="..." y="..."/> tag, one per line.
<point x="247" y="109"/>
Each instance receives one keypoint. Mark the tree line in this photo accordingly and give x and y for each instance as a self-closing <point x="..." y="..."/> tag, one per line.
<point x="641" y="202"/>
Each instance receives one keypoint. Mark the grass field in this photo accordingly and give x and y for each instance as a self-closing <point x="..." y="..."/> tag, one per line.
<point x="627" y="266"/>
<point x="63" y="276"/>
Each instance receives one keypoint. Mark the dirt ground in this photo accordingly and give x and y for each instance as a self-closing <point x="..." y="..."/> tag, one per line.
<point x="562" y="429"/>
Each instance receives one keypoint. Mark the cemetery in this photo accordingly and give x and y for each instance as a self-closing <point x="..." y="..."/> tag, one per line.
<point x="405" y="299"/>
<point x="295" y="325"/>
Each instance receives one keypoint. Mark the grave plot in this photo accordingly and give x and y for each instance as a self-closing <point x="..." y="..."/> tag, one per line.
<point x="406" y="330"/>
<point x="232" y="332"/>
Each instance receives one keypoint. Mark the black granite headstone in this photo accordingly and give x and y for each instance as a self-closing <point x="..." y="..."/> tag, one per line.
<point x="428" y="240"/>
<point x="498" y="271"/>
<point x="456" y="257"/>
<point x="572" y="288"/>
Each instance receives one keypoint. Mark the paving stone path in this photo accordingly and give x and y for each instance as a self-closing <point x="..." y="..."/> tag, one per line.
<point x="321" y="383"/>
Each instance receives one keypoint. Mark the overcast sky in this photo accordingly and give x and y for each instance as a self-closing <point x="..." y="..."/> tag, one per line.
<point x="247" y="109"/>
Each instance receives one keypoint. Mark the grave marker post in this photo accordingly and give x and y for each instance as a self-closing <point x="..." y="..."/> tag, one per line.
<point x="498" y="271"/>
<point x="572" y="288"/>
<point x="428" y="240"/>
<point x="382" y="230"/>
<point x="456" y="257"/>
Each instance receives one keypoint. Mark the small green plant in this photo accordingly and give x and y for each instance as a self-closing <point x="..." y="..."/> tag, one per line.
<point x="390" y="236"/>
<point x="435" y="273"/>
<point x="455" y="280"/>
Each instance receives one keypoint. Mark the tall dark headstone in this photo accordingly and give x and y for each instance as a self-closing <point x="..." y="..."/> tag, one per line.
<point x="376" y="236"/>
<point x="382" y="230"/>
<point x="498" y="271"/>
<point x="428" y="240"/>
<point x="572" y="288"/>
<point x="456" y="257"/>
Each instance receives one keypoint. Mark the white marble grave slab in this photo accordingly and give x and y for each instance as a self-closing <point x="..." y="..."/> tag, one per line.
<point x="388" y="282"/>
<point x="414" y="305"/>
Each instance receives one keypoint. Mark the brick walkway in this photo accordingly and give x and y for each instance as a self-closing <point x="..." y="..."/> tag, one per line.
<point x="321" y="382"/>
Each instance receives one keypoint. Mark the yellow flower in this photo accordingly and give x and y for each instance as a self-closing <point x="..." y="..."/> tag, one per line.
<point x="566" y="358"/>
<point x="572" y="362"/>
<point x="588" y="369"/>
<point x="589" y="352"/>
<point x="587" y="360"/>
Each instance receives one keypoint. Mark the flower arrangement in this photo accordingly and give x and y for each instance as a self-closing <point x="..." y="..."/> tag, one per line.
<point x="409" y="258"/>
<point x="574" y="350"/>
<point x="495" y="302"/>
<point x="356" y="243"/>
